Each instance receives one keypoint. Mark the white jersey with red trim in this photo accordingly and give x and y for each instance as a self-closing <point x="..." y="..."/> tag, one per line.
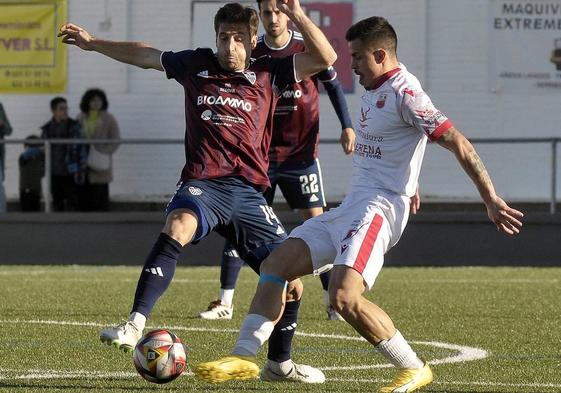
<point x="396" y="119"/>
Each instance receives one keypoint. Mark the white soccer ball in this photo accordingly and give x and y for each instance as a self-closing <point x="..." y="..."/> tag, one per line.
<point x="160" y="356"/>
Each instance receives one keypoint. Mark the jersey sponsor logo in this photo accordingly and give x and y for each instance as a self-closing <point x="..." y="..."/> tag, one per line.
<point x="232" y="102"/>
<point x="227" y="88"/>
<point x="370" y="137"/>
<point x="203" y="74"/>
<point x="206" y="115"/>
<point x="364" y="116"/>
<point x="381" y="101"/>
<point x="250" y="76"/>
<point x="368" y="151"/>
<point x="292" y="94"/>
<point x="195" y="190"/>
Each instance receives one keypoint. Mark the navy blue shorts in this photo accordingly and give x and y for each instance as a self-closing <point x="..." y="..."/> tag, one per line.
<point x="300" y="183"/>
<point x="235" y="210"/>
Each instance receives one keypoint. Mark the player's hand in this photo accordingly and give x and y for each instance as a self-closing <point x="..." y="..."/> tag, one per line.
<point x="347" y="140"/>
<point x="75" y="35"/>
<point x="505" y="218"/>
<point x="289" y="7"/>
<point x="415" y="201"/>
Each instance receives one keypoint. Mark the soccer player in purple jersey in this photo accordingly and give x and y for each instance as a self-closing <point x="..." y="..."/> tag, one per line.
<point x="229" y="102"/>
<point x="293" y="156"/>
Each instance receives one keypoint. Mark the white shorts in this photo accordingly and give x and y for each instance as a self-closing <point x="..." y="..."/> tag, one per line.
<point x="357" y="233"/>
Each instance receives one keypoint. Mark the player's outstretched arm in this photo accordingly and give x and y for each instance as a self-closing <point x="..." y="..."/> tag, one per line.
<point x="505" y="218"/>
<point x="319" y="53"/>
<point x="135" y="53"/>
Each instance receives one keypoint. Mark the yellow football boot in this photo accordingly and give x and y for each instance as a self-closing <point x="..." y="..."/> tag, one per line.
<point x="227" y="368"/>
<point x="408" y="380"/>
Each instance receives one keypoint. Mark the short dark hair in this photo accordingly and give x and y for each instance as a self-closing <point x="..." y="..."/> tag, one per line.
<point x="55" y="101"/>
<point x="237" y="14"/>
<point x="29" y="141"/>
<point x="374" y="30"/>
<point x="89" y="95"/>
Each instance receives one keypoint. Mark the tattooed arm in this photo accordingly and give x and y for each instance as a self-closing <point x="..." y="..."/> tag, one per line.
<point x="504" y="217"/>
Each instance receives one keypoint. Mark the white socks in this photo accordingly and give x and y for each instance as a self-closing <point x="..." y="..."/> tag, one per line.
<point x="255" y="330"/>
<point x="226" y="296"/>
<point x="138" y="319"/>
<point x="282" y="368"/>
<point x="398" y="351"/>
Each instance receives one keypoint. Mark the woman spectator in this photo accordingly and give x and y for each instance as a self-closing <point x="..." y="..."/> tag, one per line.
<point x="97" y="123"/>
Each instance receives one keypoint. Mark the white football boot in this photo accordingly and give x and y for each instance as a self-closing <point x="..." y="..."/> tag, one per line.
<point x="217" y="310"/>
<point x="123" y="336"/>
<point x="299" y="373"/>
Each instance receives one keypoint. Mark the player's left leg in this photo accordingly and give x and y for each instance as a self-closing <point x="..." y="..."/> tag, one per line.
<point x="230" y="266"/>
<point x="258" y="328"/>
<point x="288" y="262"/>
<point x="372" y="228"/>
<point x="372" y="323"/>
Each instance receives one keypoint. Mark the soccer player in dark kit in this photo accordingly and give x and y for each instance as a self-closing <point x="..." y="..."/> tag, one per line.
<point x="294" y="166"/>
<point x="229" y="102"/>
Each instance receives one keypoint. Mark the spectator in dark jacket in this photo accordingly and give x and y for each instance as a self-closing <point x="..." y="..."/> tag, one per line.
<point x="31" y="170"/>
<point x="5" y="129"/>
<point x="68" y="161"/>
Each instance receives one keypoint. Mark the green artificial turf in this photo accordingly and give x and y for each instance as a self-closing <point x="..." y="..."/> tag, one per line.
<point x="50" y="318"/>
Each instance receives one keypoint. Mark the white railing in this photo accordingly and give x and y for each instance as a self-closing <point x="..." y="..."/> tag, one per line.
<point x="553" y="142"/>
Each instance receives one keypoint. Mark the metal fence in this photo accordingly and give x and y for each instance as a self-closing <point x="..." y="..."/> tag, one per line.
<point x="553" y="142"/>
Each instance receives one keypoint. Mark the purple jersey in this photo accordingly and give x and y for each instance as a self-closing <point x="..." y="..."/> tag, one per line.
<point x="296" y="119"/>
<point x="227" y="114"/>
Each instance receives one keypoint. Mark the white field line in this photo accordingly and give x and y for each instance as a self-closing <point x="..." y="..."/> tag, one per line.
<point x="84" y="374"/>
<point x="464" y="354"/>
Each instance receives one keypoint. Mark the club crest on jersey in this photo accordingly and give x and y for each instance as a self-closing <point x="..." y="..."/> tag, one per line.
<point x="381" y="100"/>
<point x="250" y="76"/>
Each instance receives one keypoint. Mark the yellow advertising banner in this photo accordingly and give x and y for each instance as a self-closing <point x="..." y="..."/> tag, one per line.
<point x="32" y="59"/>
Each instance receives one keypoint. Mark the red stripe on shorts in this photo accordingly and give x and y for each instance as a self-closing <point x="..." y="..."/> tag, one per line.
<point x="368" y="243"/>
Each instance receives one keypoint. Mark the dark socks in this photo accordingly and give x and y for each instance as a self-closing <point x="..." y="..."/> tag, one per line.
<point x="230" y="267"/>
<point x="324" y="278"/>
<point x="157" y="273"/>
<point x="280" y="342"/>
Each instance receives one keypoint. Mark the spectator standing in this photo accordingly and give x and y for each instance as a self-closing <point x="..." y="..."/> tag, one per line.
<point x="5" y="130"/>
<point x="68" y="161"/>
<point x="97" y="123"/>
<point x="31" y="170"/>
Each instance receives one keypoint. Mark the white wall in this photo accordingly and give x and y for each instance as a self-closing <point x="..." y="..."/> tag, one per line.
<point x="444" y="42"/>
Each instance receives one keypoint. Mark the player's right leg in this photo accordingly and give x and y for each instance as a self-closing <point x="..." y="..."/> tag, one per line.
<point x="155" y="278"/>
<point x="230" y="266"/>
<point x="187" y="220"/>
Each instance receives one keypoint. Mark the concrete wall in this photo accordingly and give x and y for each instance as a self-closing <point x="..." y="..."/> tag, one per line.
<point x="446" y="43"/>
<point x="431" y="239"/>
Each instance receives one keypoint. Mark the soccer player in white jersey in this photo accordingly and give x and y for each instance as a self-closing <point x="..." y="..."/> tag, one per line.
<point x="397" y="118"/>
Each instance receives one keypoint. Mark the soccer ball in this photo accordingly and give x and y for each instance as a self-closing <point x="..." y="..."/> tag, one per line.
<point x="160" y="356"/>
